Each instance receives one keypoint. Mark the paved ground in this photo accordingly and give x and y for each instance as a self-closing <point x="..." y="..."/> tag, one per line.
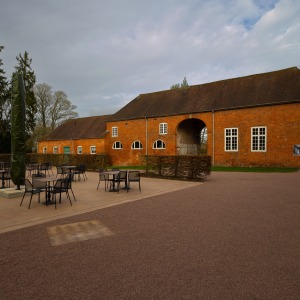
<point x="237" y="236"/>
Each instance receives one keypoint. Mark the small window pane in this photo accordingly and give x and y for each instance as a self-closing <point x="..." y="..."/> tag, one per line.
<point x="93" y="149"/>
<point x="114" y="132"/>
<point x="259" y="139"/>
<point x="231" y="139"/>
<point x="163" y="128"/>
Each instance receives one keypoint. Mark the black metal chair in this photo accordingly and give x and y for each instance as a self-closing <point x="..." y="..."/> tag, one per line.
<point x="121" y="177"/>
<point x="104" y="177"/>
<point x="134" y="176"/>
<point x="44" y="168"/>
<point x="29" y="189"/>
<point x="39" y="185"/>
<point x="7" y="177"/>
<point x="80" y="170"/>
<point x="60" y="186"/>
<point x="68" y="184"/>
<point x="60" y="171"/>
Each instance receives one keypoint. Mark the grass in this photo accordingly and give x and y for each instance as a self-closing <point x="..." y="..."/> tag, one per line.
<point x="128" y="167"/>
<point x="255" y="169"/>
<point x="226" y="169"/>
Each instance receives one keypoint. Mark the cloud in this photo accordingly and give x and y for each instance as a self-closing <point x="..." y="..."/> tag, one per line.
<point x="104" y="54"/>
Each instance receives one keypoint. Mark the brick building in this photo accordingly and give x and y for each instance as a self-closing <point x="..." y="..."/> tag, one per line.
<point x="246" y="121"/>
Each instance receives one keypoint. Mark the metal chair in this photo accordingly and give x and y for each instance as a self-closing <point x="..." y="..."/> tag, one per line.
<point x="7" y="176"/>
<point x="60" y="171"/>
<point x="134" y="176"/>
<point x="104" y="177"/>
<point x="61" y="186"/>
<point x="44" y="168"/>
<point x="29" y="189"/>
<point x="39" y="185"/>
<point x="121" y="177"/>
<point x="68" y="184"/>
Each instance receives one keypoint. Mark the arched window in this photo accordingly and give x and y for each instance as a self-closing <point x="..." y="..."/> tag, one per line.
<point x="159" y="144"/>
<point x="136" y="145"/>
<point x="117" y="145"/>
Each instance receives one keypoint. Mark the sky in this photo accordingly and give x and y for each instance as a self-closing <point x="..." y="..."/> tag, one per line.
<point x="104" y="53"/>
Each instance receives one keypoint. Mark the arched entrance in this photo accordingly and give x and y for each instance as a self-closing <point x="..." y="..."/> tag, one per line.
<point x="191" y="137"/>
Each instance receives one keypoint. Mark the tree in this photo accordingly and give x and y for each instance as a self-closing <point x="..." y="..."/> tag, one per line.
<point x="180" y="85"/>
<point x="62" y="109"/>
<point x="5" y="111"/>
<point x="24" y="68"/>
<point x="18" y="137"/>
<point x="53" y="108"/>
<point x="44" y="99"/>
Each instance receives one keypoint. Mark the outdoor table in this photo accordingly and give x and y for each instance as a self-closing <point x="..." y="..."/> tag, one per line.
<point x="48" y="181"/>
<point x="70" y="168"/>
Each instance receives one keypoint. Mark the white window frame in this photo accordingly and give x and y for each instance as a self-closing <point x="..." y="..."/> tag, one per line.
<point x="55" y="150"/>
<point x="93" y="149"/>
<point x="117" y="145"/>
<point x="231" y="139"/>
<point x="136" y="145"/>
<point x="155" y="144"/>
<point x="163" y="128"/>
<point x="259" y="139"/>
<point x="44" y="150"/>
<point x="79" y="149"/>
<point x="114" y="131"/>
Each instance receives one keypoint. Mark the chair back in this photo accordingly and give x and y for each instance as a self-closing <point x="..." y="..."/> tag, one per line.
<point x="37" y="184"/>
<point x="68" y="181"/>
<point x="7" y="175"/>
<point x="134" y="175"/>
<point x="103" y="176"/>
<point x="123" y="175"/>
<point x="59" y="170"/>
<point x="28" y="185"/>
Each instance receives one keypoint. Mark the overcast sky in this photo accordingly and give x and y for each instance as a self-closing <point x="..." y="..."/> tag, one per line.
<point x="104" y="53"/>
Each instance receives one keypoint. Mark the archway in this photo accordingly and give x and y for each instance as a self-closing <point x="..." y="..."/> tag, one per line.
<point x="191" y="137"/>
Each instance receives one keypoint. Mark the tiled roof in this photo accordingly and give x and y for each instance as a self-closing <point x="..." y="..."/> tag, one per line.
<point x="81" y="128"/>
<point x="276" y="87"/>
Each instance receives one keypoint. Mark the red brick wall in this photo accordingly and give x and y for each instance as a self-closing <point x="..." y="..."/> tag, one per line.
<point x="99" y="143"/>
<point x="283" y="132"/>
<point x="132" y="130"/>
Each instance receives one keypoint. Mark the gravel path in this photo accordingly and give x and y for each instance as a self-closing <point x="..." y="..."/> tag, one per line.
<point x="235" y="237"/>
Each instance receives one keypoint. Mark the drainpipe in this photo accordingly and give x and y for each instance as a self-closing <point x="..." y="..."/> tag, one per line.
<point x="146" y="135"/>
<point x="72" y="151"/>
<point x="213" y="137"/>
<point x="146" y="144"/>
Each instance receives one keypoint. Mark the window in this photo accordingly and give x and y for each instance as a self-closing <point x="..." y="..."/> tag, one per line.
<point x="55" y="150"/>
<point x="44" y="149"/>
<point x="79" y="150"/>
<point x="231" y="139"/>
<point x="93" y="149"/>
<point x="159" y="144"/>
<point x="117" y="145"/>
<point x="163" y="128"/>
<point x="136" y="145"/>
<point x="259" y="139"/>
<point x="114" y="131"/>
